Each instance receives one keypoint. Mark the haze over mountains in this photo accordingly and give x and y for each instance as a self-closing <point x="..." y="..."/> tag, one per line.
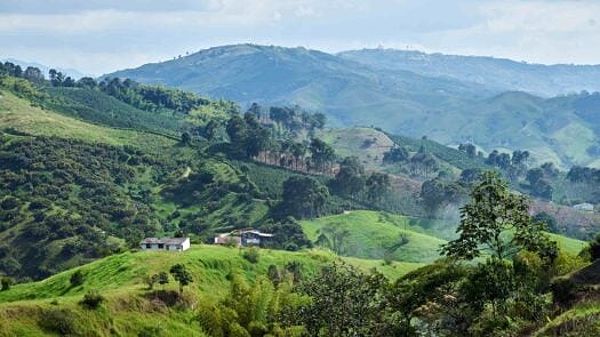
<point x="452" y="99"/>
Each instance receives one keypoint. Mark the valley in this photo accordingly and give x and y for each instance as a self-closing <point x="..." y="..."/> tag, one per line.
<point x="91" y="167"/>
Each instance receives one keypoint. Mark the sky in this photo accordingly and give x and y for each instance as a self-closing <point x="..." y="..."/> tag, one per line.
<point x="101" y="36"/>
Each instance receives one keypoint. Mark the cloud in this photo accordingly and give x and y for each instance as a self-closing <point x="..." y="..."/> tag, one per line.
<point x="95" y="35"/>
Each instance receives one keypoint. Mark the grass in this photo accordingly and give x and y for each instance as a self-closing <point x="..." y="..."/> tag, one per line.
<point x="568" y="245"/>
<point x="119" y="279"/>
<point x="17" y="115"/>
<point x="210" y="265"/>
<point x="581" y="320"/>
<point x="375" y="235"/>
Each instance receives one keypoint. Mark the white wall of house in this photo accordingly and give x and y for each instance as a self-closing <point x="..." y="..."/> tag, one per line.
<point x="185" y="245"/>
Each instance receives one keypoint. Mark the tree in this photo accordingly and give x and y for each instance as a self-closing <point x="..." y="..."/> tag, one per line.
<point x="303" y="197"/>
<point x="77" y="278"/>
<point x="350" y="179"/>
<point x="407" y="297"/>
<point x="181" y="275"/>
<point x="162" y="278"/>
<point x="6" y="282"/>
<point x="437" y="192"/>
<point x="298" y="151"/>
<point x="186" y="138"/>
<point x="237" y="132"/>
<point x="56" y="77"/>
<point x="336" y="237"/>
<point x="395" y="155"/>
<point x="534" y="175"/>
<point x="595" y="248"/>
<point x="548" y="220"/>
<point x="344" y="302"/>
<point x="486" y="220"/>
<point x="321" y="153"/>
<point x="469" y="149"/>
<point x="87" y="82"/>
<point x="378" y="184"/>
<point x="33" y="74"/>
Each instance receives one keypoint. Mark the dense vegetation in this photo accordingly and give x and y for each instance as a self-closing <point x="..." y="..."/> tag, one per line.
<point x="214" y="291"/>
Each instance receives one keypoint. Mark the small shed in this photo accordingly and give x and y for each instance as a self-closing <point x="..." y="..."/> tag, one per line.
<point x="168" y="244"/>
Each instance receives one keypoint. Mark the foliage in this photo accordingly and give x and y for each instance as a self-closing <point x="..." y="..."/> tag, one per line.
<point x="91" y="300"/>
<point x="251" y="255"/>
<point x="492" y="212"/>
<point x="303" y="197"/>
<point x="6" y="282"/>
<point x="343" y="302"/>
<point x="181" y="275"/>
<point x="61" y="321"/>
<point x="595" y="248"/>
<point x="77" y="278"/>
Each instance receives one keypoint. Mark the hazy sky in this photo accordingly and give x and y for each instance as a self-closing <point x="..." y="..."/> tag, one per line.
<point x="98" y="36"/>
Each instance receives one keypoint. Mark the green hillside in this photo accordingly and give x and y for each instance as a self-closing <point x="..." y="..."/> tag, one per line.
<point x="379" y="235"/>
<point x="127" y="311"/>
<point x="446" y="109"/>
<point x="102" y="184"/>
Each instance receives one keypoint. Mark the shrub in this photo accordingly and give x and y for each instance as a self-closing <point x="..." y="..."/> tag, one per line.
<point x="595" y="248"/>
<point x="77" y="278"/>
<point x="92" y="300"/>
<point x="6" y="282"/>
<point x="251" y="255"/>
<point x="61" y="321"/>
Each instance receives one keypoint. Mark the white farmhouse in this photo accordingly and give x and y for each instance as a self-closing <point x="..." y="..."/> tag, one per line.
<point x="168" y="244"/>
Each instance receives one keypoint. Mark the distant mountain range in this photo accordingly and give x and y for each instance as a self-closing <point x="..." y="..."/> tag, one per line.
<point x="494" y="73"/>
<point x="44" y="68"/>
<point x="452" y="99"/>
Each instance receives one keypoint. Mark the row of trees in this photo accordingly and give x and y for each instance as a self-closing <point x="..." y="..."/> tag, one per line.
<point x="422" y="163"/>
<point x="251" y="139"/>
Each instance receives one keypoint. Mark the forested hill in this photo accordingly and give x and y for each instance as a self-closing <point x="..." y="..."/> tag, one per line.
<point x="372" y="90"/>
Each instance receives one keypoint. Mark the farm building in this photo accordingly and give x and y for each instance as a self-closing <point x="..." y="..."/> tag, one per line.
<point x="169" y="244"/>
<point x="585" y="207"/>
<point x="244" y="238"/>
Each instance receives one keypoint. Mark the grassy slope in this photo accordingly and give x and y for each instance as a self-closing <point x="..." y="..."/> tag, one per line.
<point x="567" y="244"/>
<point x="372" y="234"/>
<point x="17" y="114"/>
<point x="118" y="278"/>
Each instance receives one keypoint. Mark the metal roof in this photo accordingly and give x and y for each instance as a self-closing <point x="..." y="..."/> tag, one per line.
<point x="166" y="241"/>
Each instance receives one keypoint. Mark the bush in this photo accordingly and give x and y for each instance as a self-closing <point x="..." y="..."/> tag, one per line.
<point x="595" y="248"/>
<point x="61" y="321"/>
<point x="6" y="282"/>
<point x="92" y="300"/>
<point x="251" y="255"/>
<point x="77" y="278"/>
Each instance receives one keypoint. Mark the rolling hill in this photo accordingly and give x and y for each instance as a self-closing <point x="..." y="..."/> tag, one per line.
<point x="376" y="235"/>
<point x="353" y="91"/>
<point x="349" y="92"/>
<point x="500" y="74"/>
<point x="128" y="311"/>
